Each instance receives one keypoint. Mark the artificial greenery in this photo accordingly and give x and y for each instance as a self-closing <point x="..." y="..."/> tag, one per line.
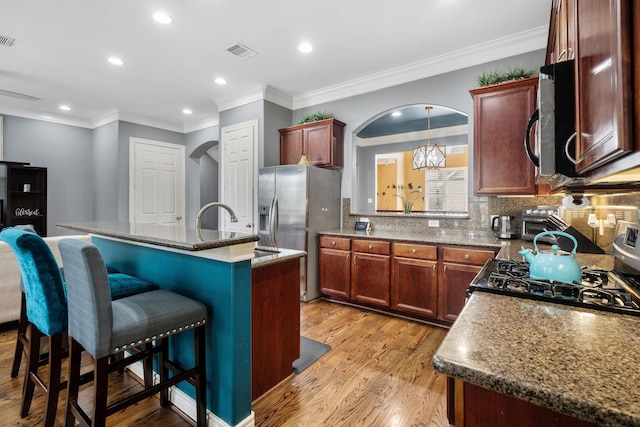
<point x="405" y="195"/>
<point x="314" y="117"/>
<point x="494" y="77"/>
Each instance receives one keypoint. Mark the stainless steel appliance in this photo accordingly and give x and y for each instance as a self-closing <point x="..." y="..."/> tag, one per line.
<point x="615" y="291"/>
<point x="503" y="226"/>
<point x="534" y="222"/>
<point x="294" y="203"/>
<point x="554" y="155"/>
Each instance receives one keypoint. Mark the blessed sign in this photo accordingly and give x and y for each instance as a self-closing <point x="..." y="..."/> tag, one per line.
<point x="27" y="212"/>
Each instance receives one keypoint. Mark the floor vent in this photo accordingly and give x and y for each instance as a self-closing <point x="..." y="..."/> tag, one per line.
<point x="6" y="40"/>
<point x="240" y="51"/>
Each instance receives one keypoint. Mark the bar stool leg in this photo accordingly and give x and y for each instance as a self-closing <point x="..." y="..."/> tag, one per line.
<point x="75" y="358"/>
<point x="31" y="370"/>
<point x="100" y="389"/>
<point x="22" y="339"/>
<point x="201" y="376"/>
<point x="54" y="387"/>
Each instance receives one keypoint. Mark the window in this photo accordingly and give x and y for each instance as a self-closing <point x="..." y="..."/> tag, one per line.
<point x="446" y="189"/>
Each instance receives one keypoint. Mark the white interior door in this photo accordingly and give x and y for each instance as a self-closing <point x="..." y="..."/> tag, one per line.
<point x="156" y="182"/>
<point x="238" y="177"/>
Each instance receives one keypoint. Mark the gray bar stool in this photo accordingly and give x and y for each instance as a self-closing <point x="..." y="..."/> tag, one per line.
<point x="104" y="327"/>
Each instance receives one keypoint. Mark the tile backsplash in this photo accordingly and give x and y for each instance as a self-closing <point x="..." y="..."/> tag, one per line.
<point x="481" y="208"/>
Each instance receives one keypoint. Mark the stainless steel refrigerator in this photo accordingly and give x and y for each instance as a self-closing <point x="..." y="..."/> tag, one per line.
<point x="294" y="203"/>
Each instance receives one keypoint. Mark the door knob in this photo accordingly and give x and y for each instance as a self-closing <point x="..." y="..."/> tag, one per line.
<point x="178" y="218"/>
<point x="249" y="225"/>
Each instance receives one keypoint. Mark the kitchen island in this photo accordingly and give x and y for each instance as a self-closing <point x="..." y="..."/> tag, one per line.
<point x="213" y="267"/>
<point x="574" y="361"/>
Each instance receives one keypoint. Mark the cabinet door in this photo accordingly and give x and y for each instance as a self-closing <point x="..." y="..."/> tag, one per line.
<point x="414" y="286"/>
<point x="26" y="196"/>
<point x="370" y="274"/>
<point x="455" y="281"/>
<point x="290" y="146"/>
<point x="335" y="272"/>
<point x="604" y="91"/>
<point x="318" y="144"/>
<point x="501" y="113"/>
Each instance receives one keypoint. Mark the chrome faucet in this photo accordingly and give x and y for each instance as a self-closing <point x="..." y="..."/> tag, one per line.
<point x="210" y="205"/>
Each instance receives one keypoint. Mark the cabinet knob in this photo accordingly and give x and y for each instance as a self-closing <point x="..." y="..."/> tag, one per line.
<point x="467" y="256"/>
<point x="333" y="243"/>
<point x="413" y="251"/>
<point x="370" y="246"/>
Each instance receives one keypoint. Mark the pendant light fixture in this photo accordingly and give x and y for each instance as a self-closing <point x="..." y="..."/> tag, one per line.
<point x="429" y="156"/>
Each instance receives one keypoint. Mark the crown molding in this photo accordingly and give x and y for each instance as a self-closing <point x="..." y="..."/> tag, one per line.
<point x="514" y="44"/>
<point x="253" y="94"/>
<point x="192" y="127"/>
<point x="44" y="116"/>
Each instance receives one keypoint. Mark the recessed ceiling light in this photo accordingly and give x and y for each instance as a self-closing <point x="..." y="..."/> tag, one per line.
<point x="115" y="61"/>
<point x="396" y="114"/>
<point x="187" y="111"/>
<point x="220" y="81"/>
<point x="305" y="48"/>
<point x="65" y="108"/>
<point x="162" y="18"/>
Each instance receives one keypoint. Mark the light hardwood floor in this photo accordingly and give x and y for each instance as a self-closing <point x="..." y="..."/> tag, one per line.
<point x="378" y="373"/>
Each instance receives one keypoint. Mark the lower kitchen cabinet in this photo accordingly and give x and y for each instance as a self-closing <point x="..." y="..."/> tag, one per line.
<point x="334" y="266"/>
<point x="459" y="267"/>
<point x="371" y="272"/>
<point x="275" y="324"/>
<point x="414" y="279"/>
<point x="414" y="286"/>
<point x="469" y="405"/>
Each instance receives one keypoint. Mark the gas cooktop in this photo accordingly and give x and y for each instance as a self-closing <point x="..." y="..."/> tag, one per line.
<point x="598" y="289"/>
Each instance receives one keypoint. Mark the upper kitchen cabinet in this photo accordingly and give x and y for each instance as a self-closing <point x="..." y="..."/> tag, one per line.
<point x="322" y="142"/>
<point x="501" y="113"/>
<point x="561" y="43"/>
<point x="604" y="92"/>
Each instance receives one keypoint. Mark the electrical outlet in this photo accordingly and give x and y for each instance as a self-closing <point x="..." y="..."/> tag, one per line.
<point x="369" y="200"/>
<point x="433" y="223"/>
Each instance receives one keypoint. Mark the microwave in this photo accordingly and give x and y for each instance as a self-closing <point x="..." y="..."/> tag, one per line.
<point x="555" y="132"/>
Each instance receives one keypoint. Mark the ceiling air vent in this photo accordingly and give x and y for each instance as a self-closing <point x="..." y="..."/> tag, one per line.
<point x="6" y="40"/>
<point x="240" y="51"/>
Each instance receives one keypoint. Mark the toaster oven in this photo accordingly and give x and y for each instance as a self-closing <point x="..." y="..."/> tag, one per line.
<point x="533" y="222"/>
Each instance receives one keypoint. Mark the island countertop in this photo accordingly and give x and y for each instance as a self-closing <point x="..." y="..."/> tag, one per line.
<point x="576" y="361"/>
<point x="170" y="236"/>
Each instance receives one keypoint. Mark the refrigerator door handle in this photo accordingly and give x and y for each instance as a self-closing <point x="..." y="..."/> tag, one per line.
<point x="273" y="222"/>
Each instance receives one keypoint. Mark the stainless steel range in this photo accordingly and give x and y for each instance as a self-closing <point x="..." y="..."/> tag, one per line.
<point x="615" y="291"/>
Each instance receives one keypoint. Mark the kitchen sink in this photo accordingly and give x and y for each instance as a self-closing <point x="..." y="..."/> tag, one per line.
<point x="259" y="253"/>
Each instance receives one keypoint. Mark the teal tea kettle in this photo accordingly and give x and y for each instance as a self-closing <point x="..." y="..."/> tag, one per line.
<point x="555" y="265"/>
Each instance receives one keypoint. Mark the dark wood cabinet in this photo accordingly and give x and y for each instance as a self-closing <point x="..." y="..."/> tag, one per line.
<point x="501" y="113"/>
<point x="334" y="266"/>
<point x="561" y="43"/>
<point x="371" y="272"/>
<point x="322" y="142"/>
<point x="275" y="324"/>
<point x="414" y="286"/>
<point x="469" y="405"/>
<point x="419" y="280"/>
<point x="460" y="266"/>
<point x="25" y="196"/>
<point x="604" y="92"/>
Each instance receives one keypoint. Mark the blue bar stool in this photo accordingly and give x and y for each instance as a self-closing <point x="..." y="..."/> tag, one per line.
<point x="46" y="314"/>
<point x="104" y="327"/>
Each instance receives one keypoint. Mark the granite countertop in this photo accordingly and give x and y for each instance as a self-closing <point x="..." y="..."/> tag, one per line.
<point x="265" y="256"/>
<point x="170" y="236"/>
<point x="576" y="361"/>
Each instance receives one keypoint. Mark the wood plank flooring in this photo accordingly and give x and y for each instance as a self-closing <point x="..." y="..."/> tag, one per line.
<point x="378" y="373"/>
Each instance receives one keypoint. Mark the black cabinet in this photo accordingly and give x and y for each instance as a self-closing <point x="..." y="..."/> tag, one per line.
<point x="25" y="196"/>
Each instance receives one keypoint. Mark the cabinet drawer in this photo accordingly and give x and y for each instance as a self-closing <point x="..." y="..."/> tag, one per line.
<point x="411" y="250"/>
<point x="372" y="246"/>
<point x="466" y="255"/>
<point x="335" y="242"/>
